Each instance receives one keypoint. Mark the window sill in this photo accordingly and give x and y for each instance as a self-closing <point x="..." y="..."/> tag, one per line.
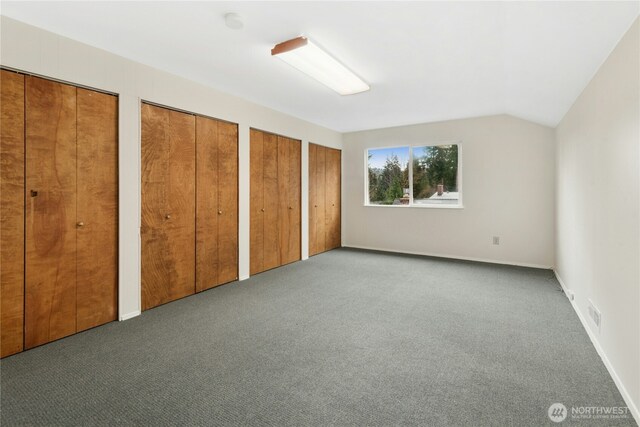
<point x="366" y="205"/>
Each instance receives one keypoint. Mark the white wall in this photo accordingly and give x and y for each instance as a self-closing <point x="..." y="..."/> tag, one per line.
<point x="507" y="184"/>
<point x="33" y="50"/>
<point x="598" y="214"/>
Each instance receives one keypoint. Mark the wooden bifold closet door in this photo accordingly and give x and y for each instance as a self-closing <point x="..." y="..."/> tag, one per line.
<point x="71" y="210"/>
<point x="317" y="171"/>
<point x="12" y="212"/>
<point x="275" y="212"/>
<point x="168" y="205"/>
<point x="61" y="252"/>
<point x="289" y="187"/>
<point x="216" y="202"/>
<point x="96" y="209"/>
<point x="324" y="199"/>
<point x="50" y="306"/>
<point x="332" y="201"/>
<point x="189" y="204"/>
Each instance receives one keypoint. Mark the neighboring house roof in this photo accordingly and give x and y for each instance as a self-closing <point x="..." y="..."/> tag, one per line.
<point x="447" y="195"/>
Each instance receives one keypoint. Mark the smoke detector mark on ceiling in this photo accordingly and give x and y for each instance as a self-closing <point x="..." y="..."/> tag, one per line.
<point x="233" y="21"/>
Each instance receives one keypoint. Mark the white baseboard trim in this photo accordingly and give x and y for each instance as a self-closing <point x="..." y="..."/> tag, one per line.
<point x="633" y="408"/>
<point x="129" y="315"/>
<point x="490" y="261"/>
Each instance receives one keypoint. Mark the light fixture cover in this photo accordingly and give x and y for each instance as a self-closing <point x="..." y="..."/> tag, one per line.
<point x="303" y="54"/>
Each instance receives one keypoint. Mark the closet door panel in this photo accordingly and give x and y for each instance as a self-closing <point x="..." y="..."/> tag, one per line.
<point x="168" y="205"/>
<point x="156" y="268"/>
<point x="294" y="197"/>
<point x="12" y="212"/>
<point x="155" y="164"/>
<point x="228" y="202"/>
<point x="97" y="209"/>
<point x="50" y="265"/>
<point x="320" y="205"/>
<point x="181" y="214"/>
<point x="182" y="172"/>
<point x="256" y="204"/>
<point x="207" y="186"/>
<point x="181" y="261"/>
<point x="332" y="228"/>
<point x="271" y="203"/>
<point x="275" y="201"/>
<point x="156" y="282"/>
<point x="284" y="199"/>
<point x="313" y="195"/>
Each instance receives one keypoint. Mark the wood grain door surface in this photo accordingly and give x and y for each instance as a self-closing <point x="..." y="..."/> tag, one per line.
<point x="284" y="199"/>
<point x="216" y="203"/>
<point x="271" y="203"/>
<point x="256" y="202"/>
<point x="275" y="212"/>
<point x="168" y="205"/>
<point x="332" y="199"/>
<point x="294" y="197"/>
<point x="155" y="162"/>
<point x="97" y="209"/>
<point x="50" y="265"/>
<point x="207" y="185"/>
<point x="324" y="198"/>
<point x="313" y="195"/>
<point x="59" y="210"/>
<point x="227" y="202"/>
<point x="11" y="212"/>
<point x="319" y="201"/>
<point x="180" y="214"/>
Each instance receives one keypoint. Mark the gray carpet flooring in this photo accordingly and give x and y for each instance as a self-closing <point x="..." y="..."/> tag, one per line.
<point x="347" y="338"/>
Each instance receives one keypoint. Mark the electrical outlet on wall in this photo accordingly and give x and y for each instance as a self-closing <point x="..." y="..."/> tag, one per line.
<point x="570" y="294"/>
<point x="496" y="240"/>
<point x="595" y="316"/>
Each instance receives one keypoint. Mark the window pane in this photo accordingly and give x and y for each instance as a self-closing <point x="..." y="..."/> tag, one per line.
<point x="435" y="175"/>
<point x="388" y="176"/>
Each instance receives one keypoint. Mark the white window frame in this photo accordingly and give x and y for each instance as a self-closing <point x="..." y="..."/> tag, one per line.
<point x="411" y="204"/>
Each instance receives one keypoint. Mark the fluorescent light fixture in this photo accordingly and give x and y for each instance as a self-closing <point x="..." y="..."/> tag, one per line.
<point x="303" y="54"/>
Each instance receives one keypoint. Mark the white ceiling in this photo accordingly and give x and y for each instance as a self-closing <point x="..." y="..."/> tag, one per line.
<point x="425" y="61"/>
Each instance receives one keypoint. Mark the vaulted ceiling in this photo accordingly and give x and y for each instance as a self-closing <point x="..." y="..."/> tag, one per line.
<point x="425" y="61"/>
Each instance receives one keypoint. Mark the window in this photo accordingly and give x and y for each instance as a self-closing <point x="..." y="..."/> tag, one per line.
<point x="389" y="176"/>
<point x="414" y="176"/>
<point x="435" y="175"/>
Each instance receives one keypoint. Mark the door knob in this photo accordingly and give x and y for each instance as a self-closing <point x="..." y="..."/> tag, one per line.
<point x="80" y="224"/>
<point x="262" y="210"/>
<point x="168" y="216"/>
<point x="34" y="193"/>
<point x="290" y="207"/>
<point x="333" y="204"/>
<point x="219" y="212"/>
